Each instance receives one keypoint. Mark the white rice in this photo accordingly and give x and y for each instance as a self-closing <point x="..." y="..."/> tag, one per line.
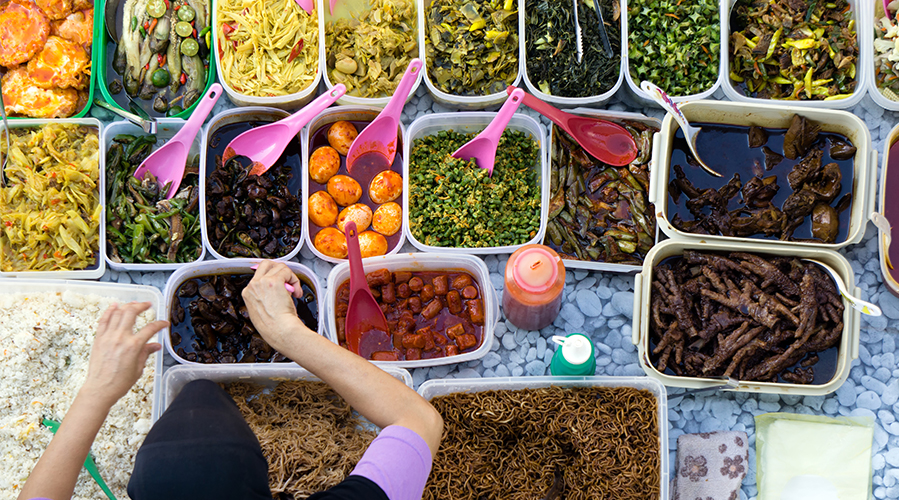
<point x="45" y="344"/>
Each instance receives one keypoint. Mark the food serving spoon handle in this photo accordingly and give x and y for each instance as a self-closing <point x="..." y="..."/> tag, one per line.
<point x="482" y="149"/>
<point x="658" y="95"/>
<point x="89" y="463"/>
<point x="306" y="5"/>
<point x="858" y="304"/>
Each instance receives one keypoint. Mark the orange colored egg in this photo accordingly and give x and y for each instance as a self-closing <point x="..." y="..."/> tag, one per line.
<point x="344" y="189"/>
<point x="386" y="186"/>
<point x="331" y="242"/>
<point x="358" y="213"/>
<point x="341" y="136"/>
<point x="388" y="219"/>
<point x="322" y="209"/>
<point x="372" y="244"/>
<point x="324" y="164"/>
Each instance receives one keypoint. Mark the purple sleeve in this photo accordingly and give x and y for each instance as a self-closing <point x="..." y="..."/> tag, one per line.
<point x="398" y="461"/>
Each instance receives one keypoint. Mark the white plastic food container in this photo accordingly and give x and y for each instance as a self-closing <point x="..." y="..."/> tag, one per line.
<point x="120" y="293"/>
<point x="91" y="272"/>
<point x="769" y="116"/>
<point x="268" y="376"/>
<point x="231" y="266"/>
<point x="633" y="86"/>
<point x="326" y="118"/>
<point x="848" y="347"/>
<point x="434" y="388"/>
<point x="475" y="122"/>
<point x="288" y="102"/>
<point x="866" y="39"/>
<point x="864" y="67"/>
<point x="466" y="101"/>
<point x="617" y="117"/>
<point x="565" y="102"/>
<point x="352" y="9"/>
<point x="883" y="250"/>
<point x="165" y="130"/>
<point x="424" y="262"/>
<point x="237" y="115"/>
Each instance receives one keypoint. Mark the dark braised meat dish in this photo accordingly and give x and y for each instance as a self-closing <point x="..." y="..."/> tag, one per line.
<point x="742" y="315"/>
<point x="815" y="187"/>
<point x="210" y="322"/>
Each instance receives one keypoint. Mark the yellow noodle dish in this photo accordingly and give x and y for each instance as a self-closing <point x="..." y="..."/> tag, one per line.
<point x="50" y="200"/>
<point x="267" y="48"/>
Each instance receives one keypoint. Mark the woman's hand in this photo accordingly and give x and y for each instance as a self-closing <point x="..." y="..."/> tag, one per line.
<point x="119" y="355"/>
<point x="270" y="305"/>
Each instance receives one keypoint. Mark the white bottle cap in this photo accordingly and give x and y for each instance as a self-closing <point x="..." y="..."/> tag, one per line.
<point x="575" y="348"/>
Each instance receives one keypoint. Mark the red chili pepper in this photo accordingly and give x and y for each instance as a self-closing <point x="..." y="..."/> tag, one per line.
<point x="147" y="66"/>
<point x="195" y="32"/>
<point x="167" y="4"/>
<point x="8" y="224"/>
<point x="297" y="49"/>
<point x="159" y="59"/>
<point x="227" y="29"/>
<point x="177" y="7"/>
<point x="183" y="78"/>
<point x="147" y="25"/>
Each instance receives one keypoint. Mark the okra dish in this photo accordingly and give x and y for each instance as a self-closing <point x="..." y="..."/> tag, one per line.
<point x="453" y="203"/>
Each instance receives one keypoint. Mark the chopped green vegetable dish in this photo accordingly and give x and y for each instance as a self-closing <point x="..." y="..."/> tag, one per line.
<point x="453" y="203"/>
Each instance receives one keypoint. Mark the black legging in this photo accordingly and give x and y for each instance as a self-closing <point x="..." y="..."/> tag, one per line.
<point x="200" y="448"/>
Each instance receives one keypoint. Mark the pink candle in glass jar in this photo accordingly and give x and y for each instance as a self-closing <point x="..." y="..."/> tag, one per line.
<point x="534" y="280"/>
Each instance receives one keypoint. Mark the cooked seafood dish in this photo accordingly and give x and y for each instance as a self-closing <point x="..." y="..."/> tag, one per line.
<point x="162" y="55"/>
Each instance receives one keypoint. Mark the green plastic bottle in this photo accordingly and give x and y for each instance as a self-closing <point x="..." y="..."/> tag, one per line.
<point x="574" y="356"/>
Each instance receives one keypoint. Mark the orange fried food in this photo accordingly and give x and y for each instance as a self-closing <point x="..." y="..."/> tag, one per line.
<point x="24" y="29"/>
<point x="82" y="4"/>
<point x="56" y="9"/>
<point x="22" y="97"/>
<point x="77" y="27"/>
<point x="62" y="64"/>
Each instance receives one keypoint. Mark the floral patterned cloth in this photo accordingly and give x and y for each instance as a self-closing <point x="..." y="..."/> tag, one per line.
<point x="711" y="465"/>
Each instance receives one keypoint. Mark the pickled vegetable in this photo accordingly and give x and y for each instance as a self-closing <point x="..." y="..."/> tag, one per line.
<point x="886" y="37"/>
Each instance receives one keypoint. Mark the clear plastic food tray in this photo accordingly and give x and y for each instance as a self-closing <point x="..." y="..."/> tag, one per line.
<point x="434" y="388"/>
<point x="352" y="8"/>
<point x="327" y="117"/>
<point x="231" y="266"/>
<point x="566" y="102"/>
<point x="120" y="293"/>
<point x="424" y="262"/>
<point x="864" y="68"/>
<point x="866" y="39"/>
<point x="468" y="122"/>
<point x="237" y="115"/>
<point x="634" y="86"/>
<point x="97" y="270"/>
<point x="166" y="129"/>
<point x="269" y="376"/>
<point x="883" y="250"/>
<point x="466" y="101"/>
<point x="289" y="101"/>
<point x="848" y="348"/>
<point x="615" y="116"/>
<point x="770" y="116"/>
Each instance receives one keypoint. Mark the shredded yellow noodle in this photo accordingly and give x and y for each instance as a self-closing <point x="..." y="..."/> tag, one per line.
<point x="50" y="204"/>
<point x="256" y="56"/>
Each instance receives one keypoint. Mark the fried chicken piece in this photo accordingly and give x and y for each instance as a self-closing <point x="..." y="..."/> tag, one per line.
<point x="77" y="27"/>
<point x="82" y="4"/>
<point x="62" y="64"/>
<point x="56" y="9"/>
<point x="22" y="97"/>
<point x="24" y="29"/>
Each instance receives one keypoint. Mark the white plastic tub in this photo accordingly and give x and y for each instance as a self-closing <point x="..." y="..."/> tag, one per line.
<point x="864" y="68"/>
<point x="466" y="101"/>
<point x="327" y="117"/>
<point x="120" y="293"/>
<point x="567" y="102"/>
<point x="237" y="115"/>
<point x="268" y="376"/>
<point x="231" y="266"/>
<point x="633" y="86"/>
<point x="91" y="272"/>
<point x="434" y="388"/>
<point x="424" y="262"/>
<point x="866" y="39"/>
<point x="469" y="122"/>
<point x="352" y="8"/>
<point x="848" y="347"/>
<point x="769" y="116"/>
<point x="166" y="129"/>
<point x="288" y="102"/>
<point x="617" y="117"/>
<point x="883" y="250"/>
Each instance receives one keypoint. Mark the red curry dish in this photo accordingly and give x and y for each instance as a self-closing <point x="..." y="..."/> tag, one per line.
<point x="430" y="314"/>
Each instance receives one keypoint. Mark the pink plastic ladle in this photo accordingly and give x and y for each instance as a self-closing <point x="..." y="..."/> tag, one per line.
<point x="306" y="5"/>
<point x="168" y="162"/>
<point x="366" y="326"/>
<point x="482" y="149"/>
<point x="264" y="145"/>
<point x="379" y="136"/>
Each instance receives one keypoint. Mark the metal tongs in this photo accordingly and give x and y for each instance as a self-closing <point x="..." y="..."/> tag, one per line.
<point x="724" y="383"/>
<point x="606" y="45"/>
<point x="144" y="121"/>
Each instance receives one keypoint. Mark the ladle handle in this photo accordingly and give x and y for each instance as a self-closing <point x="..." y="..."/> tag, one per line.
<point x="862" y="306"/>
<point x="299" y="119"/>
<point x="354" y="255"/>
<point x="306" y="5"/>
<point x="204" y="106"/>
<point x="556" y="116"/>
<point x="659" y="96"/>
<point x="395" y="106"/>
<point x="495" y="129"/>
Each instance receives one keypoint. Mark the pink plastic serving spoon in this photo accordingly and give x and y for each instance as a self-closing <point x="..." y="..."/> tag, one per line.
<point x="306" y="5"/>
<point x="608" y="142"/>
<point x="167" y="163"/>
<point x="482" y="149"/>
<point x="379" y="137"/>
<point x="264" y="145"/>
<point x="331" y="5"/>
<point x="366" y="326"/>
